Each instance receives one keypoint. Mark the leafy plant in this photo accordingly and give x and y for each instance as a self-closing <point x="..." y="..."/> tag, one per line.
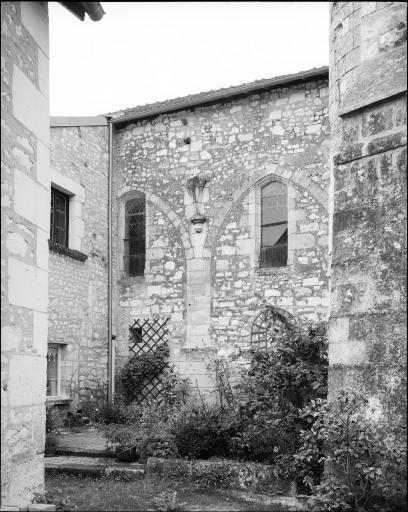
<point x="216" y="476"/>
<point x="203" y="430"/>
<point x="134" y="373"/>
<point x="279" y="382"/>
<point x="146" y="426"/>
<point x="51" y="425"/>
<point x="50" y="439"/>
<point x="365" y="469"/>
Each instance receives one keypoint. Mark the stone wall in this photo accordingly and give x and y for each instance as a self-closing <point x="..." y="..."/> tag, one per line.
<point x="78" y="289"/>
<point x="24" y="249"/>
<point x="209" y="284"/>
<point x="367" y="348"/>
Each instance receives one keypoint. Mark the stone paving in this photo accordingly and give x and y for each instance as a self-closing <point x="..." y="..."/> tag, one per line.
<point x="91" y="440"/>
<point x="85" y="452"/>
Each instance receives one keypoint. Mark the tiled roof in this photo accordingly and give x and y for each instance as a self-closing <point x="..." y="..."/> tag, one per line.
<point x="193" y="100"/>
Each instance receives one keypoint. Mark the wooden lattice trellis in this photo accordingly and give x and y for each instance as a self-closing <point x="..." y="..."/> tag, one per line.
<point x="268" y="326"/>
<point x="146" y="337"/>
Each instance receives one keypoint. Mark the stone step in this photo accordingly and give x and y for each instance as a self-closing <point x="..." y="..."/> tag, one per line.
<point x="82" y="452"/>
<point x="95" y="466"/>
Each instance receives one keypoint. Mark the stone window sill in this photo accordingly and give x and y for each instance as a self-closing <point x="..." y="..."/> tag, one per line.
<point x="72" y="253"/>
<point x="272" y="271"/>
<point x="133" y="279"/>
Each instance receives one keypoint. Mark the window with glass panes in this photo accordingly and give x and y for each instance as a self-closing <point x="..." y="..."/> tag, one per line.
<point x="274" y="225"/>
<point x="59" y="217"/>
<point x="135" y="236"/>
<point x="53" y="370"/>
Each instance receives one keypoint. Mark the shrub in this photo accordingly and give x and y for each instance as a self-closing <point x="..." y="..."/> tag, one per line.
<point x="134" y="373"/>
<point x="203" y="430"/>
<point x="278" y="383"/>
<point x="51" y="425"/>
<point x="98" y="408"/>
<point x="52" y="418"/>
<point x="146" y="425"/>
<point x="366" y="469"/>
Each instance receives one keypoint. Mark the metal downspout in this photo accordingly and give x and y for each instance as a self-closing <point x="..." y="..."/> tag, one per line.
<point x="111" y="360"/>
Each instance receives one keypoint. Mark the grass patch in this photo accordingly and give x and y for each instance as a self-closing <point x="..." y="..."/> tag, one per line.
<point x="74" y="493"/>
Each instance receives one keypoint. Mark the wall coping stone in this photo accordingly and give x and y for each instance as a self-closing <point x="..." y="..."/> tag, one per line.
<point x="66" y="121"/>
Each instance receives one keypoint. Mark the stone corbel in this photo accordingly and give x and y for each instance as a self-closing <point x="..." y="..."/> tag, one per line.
<point x="195" y="187"/>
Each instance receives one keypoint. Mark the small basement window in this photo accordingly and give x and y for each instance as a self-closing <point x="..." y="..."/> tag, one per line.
<point x="59" y="217"/>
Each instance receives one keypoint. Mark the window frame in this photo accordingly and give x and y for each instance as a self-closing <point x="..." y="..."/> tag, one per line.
<point x="59" y="347"/>
<point x="55" y="192"/>
<point x="76" y="229"/>
<point x="122" y="197"/>
<point x="127" y="239"/>
<point x="262" y="225"/>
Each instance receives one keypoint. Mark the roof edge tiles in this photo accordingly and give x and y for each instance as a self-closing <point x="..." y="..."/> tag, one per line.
<point x="63" y="121"/>
<point x="193" y="100"/>
<point x="79" y="9"/>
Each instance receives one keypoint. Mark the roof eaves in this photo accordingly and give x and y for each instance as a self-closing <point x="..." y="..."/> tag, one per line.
<point x="92" y="9"/>
<point x="211" y="96"/>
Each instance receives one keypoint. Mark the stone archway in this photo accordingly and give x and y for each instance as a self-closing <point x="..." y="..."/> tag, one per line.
<point x="271" y="172"/>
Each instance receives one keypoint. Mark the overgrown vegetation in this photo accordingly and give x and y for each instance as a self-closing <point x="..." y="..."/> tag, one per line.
<point x="251" y="425"/>
<point x="146" y="426"/>
<point x="278" y="384"/>
<point x="279" y="415"/>
<point x="73" y="493"/>
<point x="134" y="373"/>
<point x="365" y="464"/>
<point x="51" y="426"/>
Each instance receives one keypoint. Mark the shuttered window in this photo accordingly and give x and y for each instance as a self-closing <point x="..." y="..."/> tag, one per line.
<point x="59" y="217"/>
<point x="274" y="225"/>
<point x="135" y="236"/>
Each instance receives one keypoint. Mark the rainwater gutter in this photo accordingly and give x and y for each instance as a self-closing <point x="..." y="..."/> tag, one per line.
<point x="111" y="352"/>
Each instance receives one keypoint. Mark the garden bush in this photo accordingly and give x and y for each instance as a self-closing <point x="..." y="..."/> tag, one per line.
<point x="279" y="382"/>
<point x="264" y="427"/>
<point x="134" y="373"/>
<point x="202" y="430"/>
<point x="52" y="421"/>
<point x="365" y="467"/>
<point x="145" y="426"/>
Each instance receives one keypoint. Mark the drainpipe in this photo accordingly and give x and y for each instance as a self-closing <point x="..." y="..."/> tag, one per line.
<point x="111" y="353"/>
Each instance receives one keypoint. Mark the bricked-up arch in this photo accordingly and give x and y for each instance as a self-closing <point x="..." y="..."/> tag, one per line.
<point x="271" y="173"/>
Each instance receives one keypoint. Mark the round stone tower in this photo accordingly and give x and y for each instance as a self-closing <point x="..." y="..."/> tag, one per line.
<point x="367" y="340"/>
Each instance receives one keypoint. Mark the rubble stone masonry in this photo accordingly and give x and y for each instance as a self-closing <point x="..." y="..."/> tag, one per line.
<point x="25" y="228"/>
<point x="367" y="350"/>
<point x="209" y="284"/>
<point x="78" y="290"/>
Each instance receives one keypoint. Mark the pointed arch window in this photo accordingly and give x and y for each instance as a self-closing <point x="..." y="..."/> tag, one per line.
<point x="274" y="225"/>
<point x="135" y="236"/>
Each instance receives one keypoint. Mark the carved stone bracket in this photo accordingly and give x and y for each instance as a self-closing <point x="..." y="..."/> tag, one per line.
<point x="196" y="186"/>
